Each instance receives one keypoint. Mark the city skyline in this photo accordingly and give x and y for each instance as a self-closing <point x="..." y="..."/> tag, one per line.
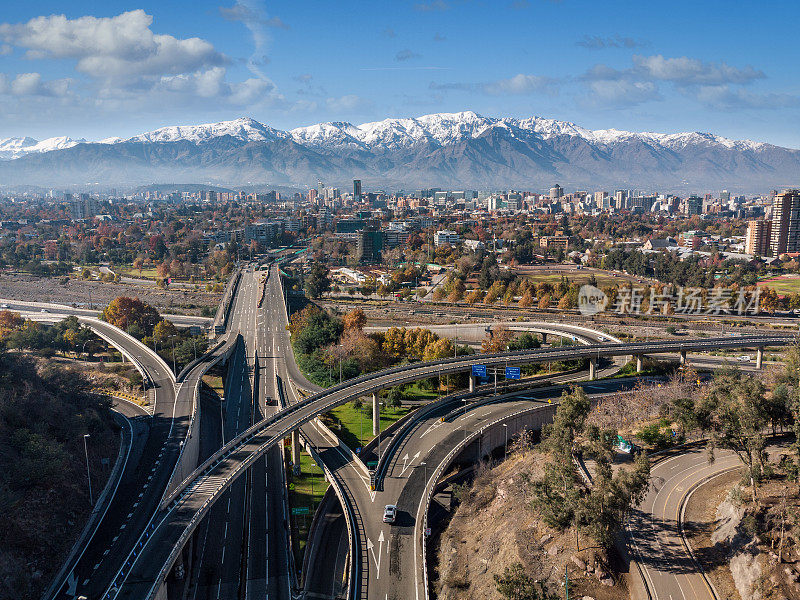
<point x="126" y="69"/>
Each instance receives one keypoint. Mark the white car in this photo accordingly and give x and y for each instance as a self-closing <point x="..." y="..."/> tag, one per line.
<point x="3" y="305"/>
<point x="389" y="513"/>
<point x="44" y="310"/>
<point x="744" y="358"/>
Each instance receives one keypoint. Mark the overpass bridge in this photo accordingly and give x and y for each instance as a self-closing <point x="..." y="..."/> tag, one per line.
<point x="161" y="543"/>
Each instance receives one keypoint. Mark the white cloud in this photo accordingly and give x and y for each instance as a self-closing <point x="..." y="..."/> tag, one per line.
<point x="347" y="103"/>
<point x="618" y="94"/>
<point x="684" y="70"/>
<point x="111" y="47"/>
<point x="517" y="85"/>
<point x="725" y="97"/>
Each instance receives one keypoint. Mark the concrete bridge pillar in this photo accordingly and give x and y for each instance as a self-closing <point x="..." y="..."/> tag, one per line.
<point x="759" y="356"/>
<point x="472" y="383"/>
<point x="592" y="369"/>
<point x="683" y="357"/>
<point x="295" y="447"/>
<point x="376" y="414"/>
<point x="638" y="363"/>
<point x="544" y="338"/>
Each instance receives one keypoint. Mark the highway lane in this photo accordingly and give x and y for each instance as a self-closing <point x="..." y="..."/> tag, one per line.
<point x="654" y="527"/>
<point x="395" y="568"/>
<point x="175" y="523"/>
<point x="322" y="578"/>
<point x="64" y="309"/>
<point x="268" y="553"/>
<point x="142" y="483"/>
<point x="218" y="567"/>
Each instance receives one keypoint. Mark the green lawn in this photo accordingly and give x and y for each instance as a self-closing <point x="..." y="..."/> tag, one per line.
<point x="305" y="491"/>
<point x="784" y="285"/>
<point x="356" y="425"/>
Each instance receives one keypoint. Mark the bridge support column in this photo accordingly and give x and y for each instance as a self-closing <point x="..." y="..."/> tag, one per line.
<point x="638" y="363"/>
<point x="592" y="369"/>
<point x="376" y="414"/>
<point x="472" y="383"/>
<point x="295" y="450"/>
<point x="683" y="357"/>
<point x="759" y="357"/>
<point x="544" y="338"/>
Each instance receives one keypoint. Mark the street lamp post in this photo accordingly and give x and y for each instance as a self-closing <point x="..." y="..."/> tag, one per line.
<point x="505" y="447"/>
<point x="88" y="473"/>
<point x="425" y="465"/>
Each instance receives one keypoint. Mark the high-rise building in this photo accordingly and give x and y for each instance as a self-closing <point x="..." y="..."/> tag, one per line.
<point x="82" y="207"/>
<point x="758" y="237"/>
<point x="694" y="206"/>
<point x="369" y="245"/>
<point x="357" y="190"/>
<point x="620" y="199"/>
<point x="785" y="234"/>
<point x="556" y="192"/>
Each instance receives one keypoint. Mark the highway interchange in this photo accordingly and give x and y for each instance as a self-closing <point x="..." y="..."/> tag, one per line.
<point x="222" y="530"/>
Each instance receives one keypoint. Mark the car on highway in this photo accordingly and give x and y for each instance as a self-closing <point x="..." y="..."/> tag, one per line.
<point x="744" y="358"/>
<point x="44" y="310"/>
<point x="389" y="513"/>
<point x="3" y="305"/>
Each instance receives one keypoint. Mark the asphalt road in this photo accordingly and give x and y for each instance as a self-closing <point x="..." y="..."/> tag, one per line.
<point x="394" y="555"/>
<point x="654" y="528"/>
<point x="64" y="309"/>
<point x="176" y="522"/>
<point x="217" y="568"/>
<point x="142" y="482"/>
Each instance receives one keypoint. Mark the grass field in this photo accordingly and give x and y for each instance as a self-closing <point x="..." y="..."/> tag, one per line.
<point x="553" y="275"/>
<point x="356" y="425"/>
<point x="305" y="492"/>
<point x="784" y="285"/>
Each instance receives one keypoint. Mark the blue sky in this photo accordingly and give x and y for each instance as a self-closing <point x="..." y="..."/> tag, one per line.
<point x="84" y="69"/>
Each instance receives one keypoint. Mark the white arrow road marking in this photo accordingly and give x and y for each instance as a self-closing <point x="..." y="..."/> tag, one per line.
<point x="370" y="547"/>
<point x="405" y="461"/>
<point x="433" y="426"/>
<point x="72" y="585"/>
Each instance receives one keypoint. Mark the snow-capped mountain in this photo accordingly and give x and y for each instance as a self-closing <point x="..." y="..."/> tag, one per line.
<point x="243" y="129"/>
<point x="15" y="147"/>
<point x="456" y="150"/>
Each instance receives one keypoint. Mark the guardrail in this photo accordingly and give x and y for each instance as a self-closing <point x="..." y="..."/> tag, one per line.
<point x="451" y="365"/>
<point x="430" y="485"/>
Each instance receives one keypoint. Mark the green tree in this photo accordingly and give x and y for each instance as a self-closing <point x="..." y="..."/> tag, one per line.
<point x="317" y="282"/>
<point x="516" y="584"/>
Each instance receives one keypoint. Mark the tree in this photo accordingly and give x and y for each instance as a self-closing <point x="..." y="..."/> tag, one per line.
<point x="441" y="348"/>
<point x="317" y="282"/>
<point x="9" y="321"/>
<point x="163" y="331"/>
<point x="355" y="319"/>
<point x="127" y="313"/>
<point x="498" y="340"/>
<point x="738" y="420"/>
<point x="515" y="584"/>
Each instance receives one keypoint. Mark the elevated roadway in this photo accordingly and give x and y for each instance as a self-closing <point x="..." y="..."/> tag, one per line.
<point x="173" y="525"/>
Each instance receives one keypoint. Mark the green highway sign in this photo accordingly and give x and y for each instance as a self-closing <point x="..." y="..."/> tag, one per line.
<point x="301" y="510"/>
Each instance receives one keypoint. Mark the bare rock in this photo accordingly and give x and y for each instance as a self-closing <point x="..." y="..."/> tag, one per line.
<point x="578" y="562"/>
<point x="553" y="550"/>
<point x="607" y="581"/>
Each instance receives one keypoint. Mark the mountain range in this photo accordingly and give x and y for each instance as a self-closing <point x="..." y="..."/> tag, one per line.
<point x="447" y="150"/>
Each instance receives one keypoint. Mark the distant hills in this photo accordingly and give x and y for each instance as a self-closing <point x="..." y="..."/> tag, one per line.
<point x="449" y="150"/>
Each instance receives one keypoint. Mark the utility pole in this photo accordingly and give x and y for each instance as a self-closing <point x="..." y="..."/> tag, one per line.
<point x="88" y="473"/>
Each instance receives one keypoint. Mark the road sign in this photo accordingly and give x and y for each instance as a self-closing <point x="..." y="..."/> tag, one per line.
<point x="513" y="372"/>
<point x="479" y="370"/>
<point x="300" y="510"/>
<point x="372" y="464"/>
